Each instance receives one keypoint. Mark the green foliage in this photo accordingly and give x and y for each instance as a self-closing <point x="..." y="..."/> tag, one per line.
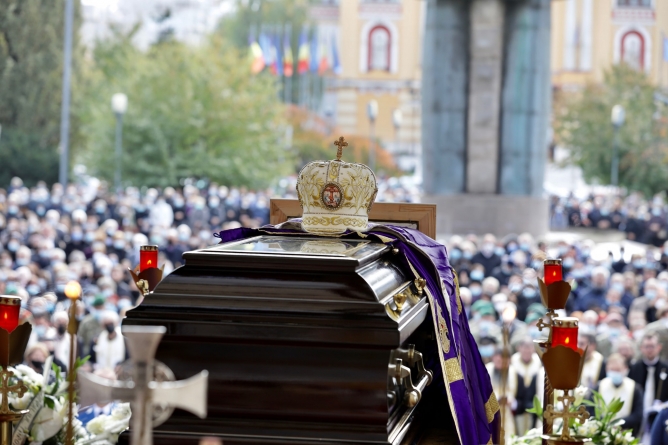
<point x="192" y="111"/>
<point x="31" y="57"/>
<point x="537" y="408"/>
<point x="582" y="123"/>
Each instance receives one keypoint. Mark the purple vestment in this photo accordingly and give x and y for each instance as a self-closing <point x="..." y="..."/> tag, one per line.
<point x="469" y="390"/>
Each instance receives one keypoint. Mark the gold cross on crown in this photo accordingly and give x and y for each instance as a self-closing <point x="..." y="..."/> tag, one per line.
<point x="340" y="144"/>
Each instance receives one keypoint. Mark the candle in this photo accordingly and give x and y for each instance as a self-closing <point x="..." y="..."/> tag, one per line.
<point x="9" y="312"/>
<point x="148" y="257"/>
<point x="565" y="332"/>
<point x="72" y="290"/>
<point x="552" y="270"/>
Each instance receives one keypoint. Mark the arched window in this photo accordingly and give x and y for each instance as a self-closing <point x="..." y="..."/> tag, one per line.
<point x="633" y="50"/>
<point x="380" y="43"/>
<point x="635" y="3"/>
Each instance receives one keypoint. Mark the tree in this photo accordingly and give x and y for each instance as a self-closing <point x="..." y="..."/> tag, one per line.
<point x="31" y="58"/>
<point x="192" y="111"/>
<point x="582" y="123"/>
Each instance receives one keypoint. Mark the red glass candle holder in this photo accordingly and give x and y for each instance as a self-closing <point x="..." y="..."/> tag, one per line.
<point x="565" y="332"/>
<point x="9" y="312"/>
<point x="553" y="271"/>
<point x="148" y="257"/>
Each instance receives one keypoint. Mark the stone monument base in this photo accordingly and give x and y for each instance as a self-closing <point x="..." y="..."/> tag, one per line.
<point x="489" y="213"/>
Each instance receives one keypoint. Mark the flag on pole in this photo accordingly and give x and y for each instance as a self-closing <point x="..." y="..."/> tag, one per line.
<point x="277" y="61"/>
<point x="313" y="66"/>
<point x="265" y="46"/>
<point x="303" y="53"/>
<point x="288" y="61"/>
<point x="336" y="64"/>
<point x="255" y="54"/>
<point x="323" y="66"/>
<point x="665" y="47"/>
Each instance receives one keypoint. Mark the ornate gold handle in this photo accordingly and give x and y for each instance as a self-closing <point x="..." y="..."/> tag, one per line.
<point x="400" y="300"/>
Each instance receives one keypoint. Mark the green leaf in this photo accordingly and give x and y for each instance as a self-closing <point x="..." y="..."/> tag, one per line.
<point x="537" y="408"/>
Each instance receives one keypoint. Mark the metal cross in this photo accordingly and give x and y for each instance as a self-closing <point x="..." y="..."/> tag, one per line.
<point x="142" y="393"/>
<point x="580" y="414"/>
<point x="19" y="388"/>
<point x="340" y="144"/>
<point x="542" y="325"/>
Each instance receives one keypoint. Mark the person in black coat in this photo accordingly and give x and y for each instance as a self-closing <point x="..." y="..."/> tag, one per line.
<point x="650" y="363"/>
<point x="650" y="349"/>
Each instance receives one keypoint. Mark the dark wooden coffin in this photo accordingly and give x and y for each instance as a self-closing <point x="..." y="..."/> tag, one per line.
<point x="301" y="337"/>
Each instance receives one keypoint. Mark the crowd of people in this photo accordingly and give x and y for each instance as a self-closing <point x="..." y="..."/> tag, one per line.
<point x="90" y="234"/>
<point x="642" y="220"/>
<point x="621" y="304"/>
<point x="85" y="232"/>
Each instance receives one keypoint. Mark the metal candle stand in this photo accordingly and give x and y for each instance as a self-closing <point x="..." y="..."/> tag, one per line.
<point x="557" y="359"/>
<point x="13" y="342"/>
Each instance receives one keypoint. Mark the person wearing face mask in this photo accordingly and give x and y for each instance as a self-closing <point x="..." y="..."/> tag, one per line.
<point x="594" y="296"/>
<point x="483" y="321"/>
<point x="23" y="256"/>
<point x="528" y="296"/>
<point x="91" y="325"/>
<point x="651" y="291"/>
<point x="503" y="272"/>
<point x="495" y="369"/>
<point x="610" y="332"/>
<point x="36" y="356"/>
<point x="616" y="385"/>
<point x="61" y="341"/>
<point x="109" y="348"/>
<point x="486" y="257"/>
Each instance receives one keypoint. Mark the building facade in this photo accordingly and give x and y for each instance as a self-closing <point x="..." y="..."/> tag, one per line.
<point x="589" y="36"/>
<point x="380" y="46"/>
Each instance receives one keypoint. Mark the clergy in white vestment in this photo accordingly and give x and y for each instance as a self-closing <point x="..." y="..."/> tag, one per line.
<point x="109" y="349"/>
<point x="616" y="385"/>
<point x="494" y="368"/>
<point x="594" y="367"/>
<point x="526" y="365"/>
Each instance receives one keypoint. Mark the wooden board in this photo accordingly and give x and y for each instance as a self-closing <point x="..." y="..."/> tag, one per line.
<point x="419" y="216"/>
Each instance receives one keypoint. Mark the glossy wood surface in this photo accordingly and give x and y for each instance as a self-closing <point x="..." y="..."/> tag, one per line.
<point x="294" y="355"/>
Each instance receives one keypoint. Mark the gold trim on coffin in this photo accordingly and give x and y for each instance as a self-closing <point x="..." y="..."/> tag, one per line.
<point x="453" y="371"/>
<point x="491" y="408"/>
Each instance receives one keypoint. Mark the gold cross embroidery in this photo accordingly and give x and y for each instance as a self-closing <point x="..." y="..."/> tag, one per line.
<point x="5" y="388"/>
<point x="340" y="144"/>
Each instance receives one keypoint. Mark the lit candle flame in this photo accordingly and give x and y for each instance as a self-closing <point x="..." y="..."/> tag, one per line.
<point x="568" y="340"/>
<point x="148" y="262"/>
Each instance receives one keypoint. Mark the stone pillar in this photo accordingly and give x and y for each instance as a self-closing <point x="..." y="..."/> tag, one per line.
<point x="526" y="99"/>
<point x="485" y="80"/>
<point x="444" y="96"/>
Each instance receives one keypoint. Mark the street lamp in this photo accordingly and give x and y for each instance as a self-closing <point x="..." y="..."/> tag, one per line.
<point x="396" y="121"/>
<point x="372" y="114"/>
<point x="617" y="118"/>
<point x="119" y="105"/>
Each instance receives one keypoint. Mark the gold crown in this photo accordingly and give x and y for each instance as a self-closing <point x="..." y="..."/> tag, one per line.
<point x="336" y="196"/>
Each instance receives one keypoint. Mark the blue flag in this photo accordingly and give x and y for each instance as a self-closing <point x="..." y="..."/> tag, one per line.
<point x="665" y="48"/>
<point x="336" y="64"/>
<point x="313" y="66"/>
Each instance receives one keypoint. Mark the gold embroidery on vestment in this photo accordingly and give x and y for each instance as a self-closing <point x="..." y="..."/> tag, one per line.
<point x="453" y="372"/>
<point x="443" y="331"/>
<point x="459" y="298"/>
<point x="491" y="408"/>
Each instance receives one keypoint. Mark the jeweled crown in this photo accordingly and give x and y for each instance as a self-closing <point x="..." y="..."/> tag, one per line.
<point x="335" y="195"/>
